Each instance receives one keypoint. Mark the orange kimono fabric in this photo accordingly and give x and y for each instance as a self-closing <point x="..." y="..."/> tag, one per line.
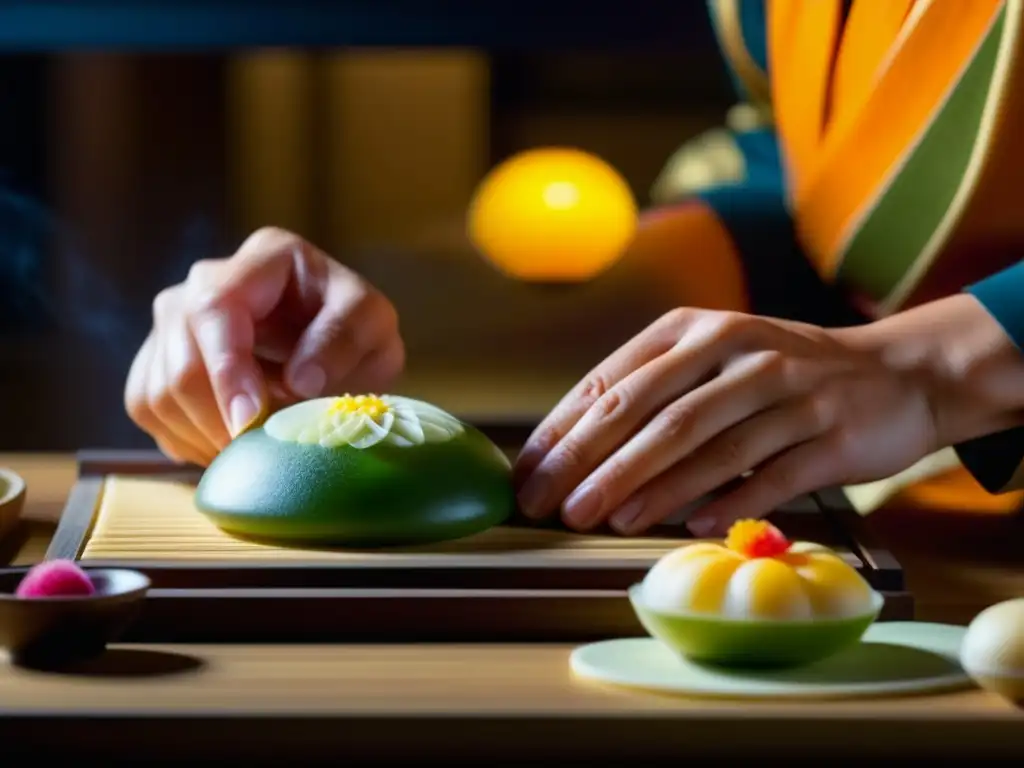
<point x="898" y="130"/>
<point x="901" y="141"/>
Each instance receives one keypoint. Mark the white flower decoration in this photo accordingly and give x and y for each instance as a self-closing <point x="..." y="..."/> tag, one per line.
<point x="363" y="421"/>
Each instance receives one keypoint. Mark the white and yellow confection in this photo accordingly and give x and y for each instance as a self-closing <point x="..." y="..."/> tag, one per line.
<point x="362" y="421"/>
<point x="757" y="574"/>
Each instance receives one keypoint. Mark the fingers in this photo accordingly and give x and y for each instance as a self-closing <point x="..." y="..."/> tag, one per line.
<point x="614" y="418"/>
<point x="237" y="339"/>
<point x="224" y="334"/>
<point x="753" y="384"/>
<point x="186" y="380"/>
<point x="181" y="438"/>
<point x="728" y="456"/>
<point x="256" y="277"/>
<point x="642" y="349"/>
<point x="136" y="392"/>
<point x="377" y="371"/>
<point x="609" y="422"/>
<point x="807" y="467"/>
<point x="151" y="404"/>
<point x="227" y="302"/>
<point x="355" y="327"/>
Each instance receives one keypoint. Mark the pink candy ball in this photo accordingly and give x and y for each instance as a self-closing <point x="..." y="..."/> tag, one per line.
<point x="56" y="578"/>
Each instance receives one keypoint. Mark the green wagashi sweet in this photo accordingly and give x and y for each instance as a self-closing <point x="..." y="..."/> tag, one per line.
<point x="363" y="470"/>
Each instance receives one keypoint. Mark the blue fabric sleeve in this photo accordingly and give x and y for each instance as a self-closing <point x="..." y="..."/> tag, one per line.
<point x="996" y="460"/>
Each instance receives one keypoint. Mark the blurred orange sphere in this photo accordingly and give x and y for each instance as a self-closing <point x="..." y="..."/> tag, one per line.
<point x="553" y="215"/>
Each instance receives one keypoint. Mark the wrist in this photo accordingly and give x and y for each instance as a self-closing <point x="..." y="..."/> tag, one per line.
<point x="966" y="364"/>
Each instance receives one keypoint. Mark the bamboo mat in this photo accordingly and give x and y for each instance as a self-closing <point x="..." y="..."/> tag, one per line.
<point x="152" y="519"/>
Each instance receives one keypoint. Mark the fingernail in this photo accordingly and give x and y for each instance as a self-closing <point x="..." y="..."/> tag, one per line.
<point x="243" y="410"/>
<point x="521" y="473"/>
<point x="702" y="526"/>
<point x="308" y="380"/>
<point x="531" y="497"/>
<point x="527" y="461"/>
<point x="625" y="517"/>
<point x="582" y="506"/>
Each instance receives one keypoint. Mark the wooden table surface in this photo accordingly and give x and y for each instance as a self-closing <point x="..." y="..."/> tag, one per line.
<point x="509" y="702"/>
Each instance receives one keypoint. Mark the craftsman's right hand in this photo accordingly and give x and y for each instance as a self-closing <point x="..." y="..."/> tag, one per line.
<point x="277" y="322"/>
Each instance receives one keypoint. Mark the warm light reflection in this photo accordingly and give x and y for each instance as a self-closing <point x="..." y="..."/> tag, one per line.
<point x="553" y="215"/>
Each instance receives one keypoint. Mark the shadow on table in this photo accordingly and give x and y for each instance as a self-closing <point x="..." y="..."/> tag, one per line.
<point x="867" y="663"/>
<point x="126" y="663"/>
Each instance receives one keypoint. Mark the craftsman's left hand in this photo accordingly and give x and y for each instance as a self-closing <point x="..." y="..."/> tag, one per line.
<point x="701" y="398"/>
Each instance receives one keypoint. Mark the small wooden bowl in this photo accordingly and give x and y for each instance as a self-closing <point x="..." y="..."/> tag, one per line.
<point x="12" y="499"/>
<point x="48" y="631"/>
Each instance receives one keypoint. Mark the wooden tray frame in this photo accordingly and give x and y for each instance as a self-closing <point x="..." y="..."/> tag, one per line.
<point x="515" y="600"/>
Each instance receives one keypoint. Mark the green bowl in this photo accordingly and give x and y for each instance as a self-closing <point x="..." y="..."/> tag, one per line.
<point x="752" y="643"/>
<point x="263" y="488"/>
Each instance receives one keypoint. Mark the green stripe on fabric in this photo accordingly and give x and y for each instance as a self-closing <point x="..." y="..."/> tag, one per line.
<point x="754" y="25"/>
<point x="754" y="33"/>
<point x="895" y="232"/>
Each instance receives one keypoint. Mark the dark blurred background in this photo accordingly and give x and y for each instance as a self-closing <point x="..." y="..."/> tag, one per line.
<point x="119" y="169"/>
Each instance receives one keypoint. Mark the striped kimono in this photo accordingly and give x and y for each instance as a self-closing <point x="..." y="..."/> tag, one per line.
<point x="884" y="170"/>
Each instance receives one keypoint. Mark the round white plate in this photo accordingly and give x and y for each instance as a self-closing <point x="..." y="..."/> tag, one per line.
<point x="892" y="659"/>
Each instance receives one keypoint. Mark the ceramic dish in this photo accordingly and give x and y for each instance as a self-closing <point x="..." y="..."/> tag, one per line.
<point x="51" y="630"/>
<point x="752" y="642"/>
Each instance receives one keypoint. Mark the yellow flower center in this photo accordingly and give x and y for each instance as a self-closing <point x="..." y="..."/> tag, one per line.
<point x="366" y="405"/>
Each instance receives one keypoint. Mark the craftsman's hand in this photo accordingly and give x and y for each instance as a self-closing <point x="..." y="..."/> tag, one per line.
<point x="701" y="398"/>
<point x="277" y="322"/>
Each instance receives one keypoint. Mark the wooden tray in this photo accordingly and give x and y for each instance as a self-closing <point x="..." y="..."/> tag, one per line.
<point x="514" y="583"/>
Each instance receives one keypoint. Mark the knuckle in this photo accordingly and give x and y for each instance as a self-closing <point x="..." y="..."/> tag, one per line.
<point x="202" y="300"/>
<point x="570" y="453"/>
<point x="675" y="422"/>
<point x="202" y="271"/>
<point x="732" y="325"/>
<point x="593" y="389"/>
<point x="820" y="410"/>
<point x="221" y="369"/>
<point x="783" y="479"/>
<point x="792" y="374"/>
<point x="344" y="335"/>
<point x="844" y="446"/>
<point x="732" y="453"/>
<point x="182" y="379"/>
<point x="772" y="364"/>
<point x="546" y="438"/>
<point x="165" y="302"/>
<point x="269" y="237"/>
<point x="675" y="317"/>
<point x="161" y="402"/>
<point x="137" y="407"/>
<point x="610" y="477"/>
<point x="366" y="305"/>
<point x="612" y="406"/>
<point x="167" y="449"/>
